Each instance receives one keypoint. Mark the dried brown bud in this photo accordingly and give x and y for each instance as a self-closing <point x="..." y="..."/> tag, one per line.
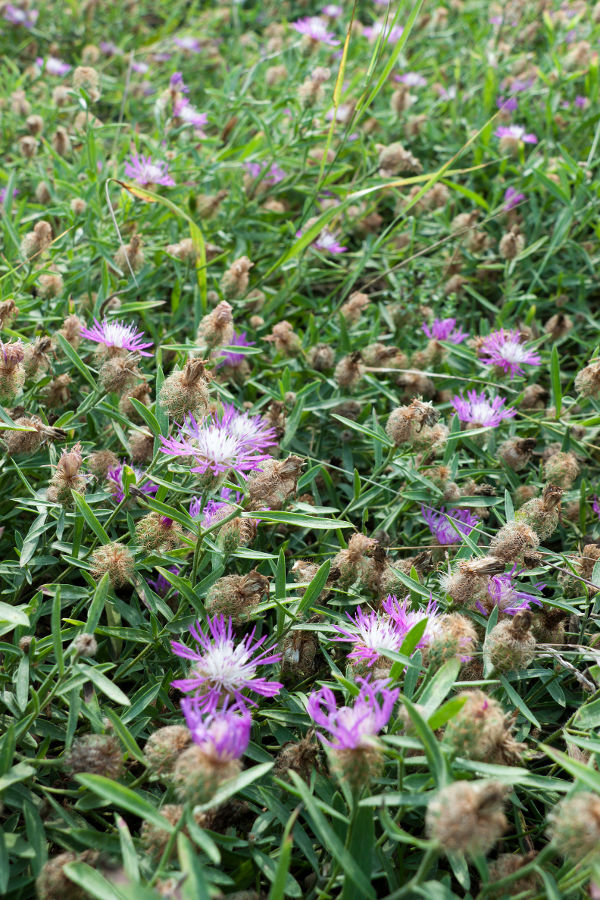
<point x="115" y="559"/>
<point x="467" y="817"/>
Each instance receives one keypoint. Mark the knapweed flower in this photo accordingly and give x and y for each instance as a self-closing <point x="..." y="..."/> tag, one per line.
<point x="444" y="531"/>
<point x="326" y="241"/>
<point x="16" y="16"/>
<point x="4" y="192"/>
<point x="515" y="133"/>
<point x="272" y="174"/>
<point x="506" y="350"/>
<point x="512" y="198"/>
<point x="405" y="617"/>
<point x="114" y="476"/>
<point x="412" y="79"/>
<point x="390" y="34"/>
<point x="117" y="335"/>
<point x="480" y="411"/>
<point x="176" y="83"/>
<point x="140" y="67"/>
<point x="160" y="585"/>
<point x="230" y="357"/>
<point x="109" y="48"/>
<point x="508" y="104"/>
<point x="445" y="330"/>
<point x="332" y="11"/>
<point x="53" y="65"/>
<point x="315" y="28"/>
<point x="189" y="43"/>
<point x="214" y="510"/>
<point x="370" y="634"/>
<point x="251" y="430"/>
<point x="596" y="505"/>
<point x="222" y="670"/>
<point x="505" y="594"/>
<point x="357" y="726"/>
<point x="145" y="172"/>
<point x="183" y="109"/>
<point x="224" y="734"/>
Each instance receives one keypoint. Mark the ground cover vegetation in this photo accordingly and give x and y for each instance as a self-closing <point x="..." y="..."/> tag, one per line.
<point x="299" y="406"/>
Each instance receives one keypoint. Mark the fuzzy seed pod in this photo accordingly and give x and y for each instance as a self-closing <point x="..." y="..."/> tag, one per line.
<point x="467" y="816"/>
<point x="542" y="514"/>
<point x="401" y="100"/>
<point x="141" y="445"/>
<point x="237" y="596"/>
<point x="35" y="359"/>
<point x="85" y="645"/>
<point x="480" y="731"/>
<point x="78" y="206"/>
<point x="38" y="240"/>
<point x="101" y="461"/>
<point x="285" y="339"/>
<point x="184" y="250"/>
<point x="8" y="312"/>
<point x="57" y="393"/>
<point x="67" y="477"/>
<point x="237" y="533"/>
<point x="561" y="469"/>
<point x="53" y="884"/>
<point x="513" y="539"/>
<point x="208" y="204"/>
<point x="43" y="194"/>
<point x="99" y="754"/>
<point x="71" y="330"/>
<point x="28" y="146"/>
<point x="353" y="562"/>
<point x="512" y="243"/>
<point x="354" y="307"/>
<point x="275" y="483"/>
<point x="516" y="452"/>
<point x="406" y="422"/>
<point x="510" y="644"/>
<point x="357" y="767"/>
<point x="587" y="381"/>
<point x="130" y="256"/>
<point x="141" y="393"/>
<point x="558" y="326"/>
<point x="456" y="638"/>
<point x="19" y="104"/>
<point x="157" y="532"/>
<point x="18" y="442"/>
<point x="349" y="370"/>
<point x="197" y="774"/>
<point x="86" y="78"/>
<point x="395" y="159"/>
<point x="299" y="757"/>
<point x="185" y="391"/>
<point x="574" y="825"/>
<point x="115" y="559"/>
<point x="61" y="141"/>
<point x="275" y="75"/>
<point x="164" y="747"/>
<point x="508" y="864"/>
<point x="216" y="328"/>
<point x="119" y="373"/>
<point x="234" y="282"/>
<point x="549" y="625"/>
<point x="321" y="357"/>
<point x="298" y="654"/>
<point x="154" y="839"/>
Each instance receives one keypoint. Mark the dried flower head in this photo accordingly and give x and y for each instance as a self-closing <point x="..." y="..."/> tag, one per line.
<point x="164" y="746"/>
<point x="574" y="825"/>
<point x="114" y="559"/>
<point x="510" y="644"/>
<point x="99" y="754"/>
<point x="67" y="476"/>
<point x="186" y="391"/>
<point x="216" y="328"/>
<point x="467" y="816"/>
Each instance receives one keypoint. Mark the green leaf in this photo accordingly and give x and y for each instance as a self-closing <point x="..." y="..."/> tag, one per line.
<point x="90" y="518"/>
<point x="300" y="520"/>
<point x="147" y="415"/>
<point x="76" y="360"/>
<point x="104" y="684"/>
<point x="555" y="381"/>
<point x="235" y="785"/>
<point x="328" y="838"/>
<point x="194" y="886"/>
<point x="97" y="604"/>
<point x="437" y="689"/>
<point x="124" y="798"/>
<point x="578" y="770"/>
<point x="20" y="772"/>
<point x="518" y="701"/>
<point x="314" y="588"/>
<point x="438" y="765"/>
<point x="14" y="615"/>
<point x="57" y="633"/>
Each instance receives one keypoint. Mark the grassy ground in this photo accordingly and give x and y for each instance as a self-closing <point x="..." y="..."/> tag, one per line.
<point x="355" y="449"/>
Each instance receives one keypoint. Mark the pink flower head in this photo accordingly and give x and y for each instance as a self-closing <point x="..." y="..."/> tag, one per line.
<point x="145" y="172"/>
<point x="223" y="669"/>
<point x="183" y="109"/>
<point x="481" y="411"/>
<point x="224" y="735"/>
<point x="114" y="476"/>
<point x="447" y="532"/>
<point x="332" y="11"/>
<point x="505" y="350"/>
<point x="509" y="104"/>
<point x="326" y="241"/>
<point x="117" y="334"/>
<point x="445" y="330"/>
<point x="3" y="193"/>
<point x="16" y="16"/>
<point x="357" y="726"/>
<point x="176" y="83"/>
<point x="230" y="357"/>
<point x="53" y="66"/>
<point x="142" y="68"/>
<point x="272" y="174"/>
<point x="512" y="198"/>
<point x="401" y="612"/>
<point x="214" y="510"/>
<point x="160" y="585"/>
<point x="189" y="43"/>
<point x="390" y="34"/>
<point x="517" y="133"/>
<point x="412" y="79"/>
<point x="315" y="28"/>
<point x="109" y="48"/>
<point x="505" y="594"/>
<point x="370" y="634"/>
<point x="596" y="506"/>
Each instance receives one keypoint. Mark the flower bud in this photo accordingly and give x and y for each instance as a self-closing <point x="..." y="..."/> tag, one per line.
<point x="349" y="370"/>
<point x="512" y="243"/>
<point x="85" y="645"/>
<point x="130" y="256"/>
<point x="321" y="357"/>
<point x="115" y="559"/>
<point x="299" y="757"/>
<point x="141" y="445"/>
<point x="197" y="774"/>
<point x="53" y="884"/>
<point x="454" y="638"/>
<point x="164" y="747"/>
<point x="516" y="452"/>
<point x="99" y="754"/>
<point x="354" y="307"/>
<point x="395" y="159"/>
<point x="216" y="328"/>
<point x="275" y="483"/>
<point x="61" y="141"/>
<point x="185" y="391"/>
<point x="467" y="816"/>
<point x="67" y="476"/>
<point x="406" y="422"/>
<point x="510" y="644"/>
<point x="237" y="596"/>
<point x="542" y="514"/>
<point x="479" y="731"/>
<point x="234" y="282"/>
<point x="561" y="469"/>
<point x="285" y="339"/>
<point x="119" y="373"/>
<point x="587" y="381"/>
<point x="141" y="393"/>
<point x="154" y="838"/>
<point x="574" y="825"/>
<point x="512" y="541"/>
<point x="87" y="78"/>
<point x="71" y="330"/>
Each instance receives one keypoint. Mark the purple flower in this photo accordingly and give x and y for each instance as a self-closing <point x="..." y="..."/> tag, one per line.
<point x="512" y="198"/>
<point x="25" y="17"/>
<point x="223" y="669"/>
<point x="160" y="585"/>
<point x="444" y="330"/>
<point x="145" y="172"/>
<point x="183" y="109"/>
<point x="406" y="618"/>
<point x="412" y="79"/>
<point x="581" y="102"/>
<point x="177" y="83"/>
<point x="142" y="68"/>
<point x="109" y="48"/>
<point x="326" y="241"/>
<point x="117" y="334"/>
<point x="596" y="506"/>
<point x="224" y="735"/>
<point x="273" y="175"/>
<point x="516" y="85"/>
<point x="516" y="133"/>
<point x="504" y="593"/>
<point x="3" y="192"/>
<point x="214" y="510"/>
<point x="114" y="477"/>
<point x="357" y="726"/>
<point x="370" y="634"/>
<point x="315" y="28"/>
<point x="505" y="350"/>
<point x="230" y="357"/>
<point x="510" y="104"/>
<point x="188" y="43"/>
<point x="390" y="34"/>
<point x="332" y="11"/>
<point x="443" y="530"/>
<point x="53" y="65"/>
<point x="480" y="411"/>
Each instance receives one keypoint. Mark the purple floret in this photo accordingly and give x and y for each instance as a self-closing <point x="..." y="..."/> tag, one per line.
<point x="145" y="172"/>
<point x="481" y="411"/>
<point x="443" y="530"/>
<point x="506" y="350"/>
<point x="357" y="726"/>
<point x="114" y="477"/>
<point x="117" y="334"/>
<point x="315" y="28"/>
<point x="224" y="735"/>
<point x="445" y="330"/>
